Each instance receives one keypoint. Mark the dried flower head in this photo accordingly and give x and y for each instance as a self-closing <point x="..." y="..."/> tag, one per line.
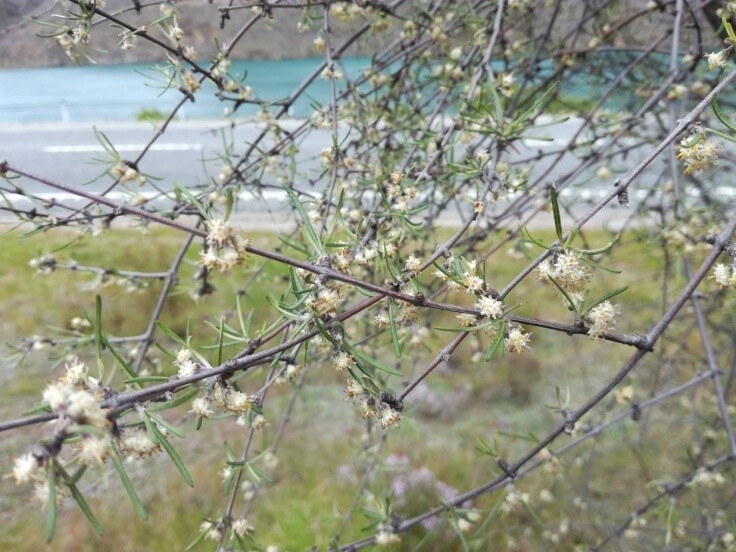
<point x="226" y="248"/>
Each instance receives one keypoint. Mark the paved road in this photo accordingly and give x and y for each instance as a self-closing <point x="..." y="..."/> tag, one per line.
<point x="188" y="153"/>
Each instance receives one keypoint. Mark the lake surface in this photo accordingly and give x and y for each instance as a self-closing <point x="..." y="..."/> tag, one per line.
<point x="120" y="92"/>
<point x="94" y="93"/>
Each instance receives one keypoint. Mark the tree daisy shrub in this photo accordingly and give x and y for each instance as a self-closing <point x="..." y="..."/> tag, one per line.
<point x="499" y="315"/>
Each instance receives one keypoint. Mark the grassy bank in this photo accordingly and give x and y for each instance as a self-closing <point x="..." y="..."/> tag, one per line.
<point x="570" y="499"/>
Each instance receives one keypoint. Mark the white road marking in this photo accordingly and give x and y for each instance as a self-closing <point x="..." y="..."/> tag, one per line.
<point x="87" y="148"/>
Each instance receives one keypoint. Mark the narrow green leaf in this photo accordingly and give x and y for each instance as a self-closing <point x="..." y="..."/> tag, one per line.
<point x="105" y="142"/>
<point x="228" y="203"/>
<point x="497" y="347"/>
<point x="336" y="218"/>
<point x="279" y="307"/>
<point x="200" y="537"/>
<point x="118" y="464"/>
<point x="182" y="398"/>
<point x="459" y="532"/>
<point x="175" y="458"/>
<point x="193" y="200"/>
<point x="126" y="367"/>
<point x="721" y="117"/>
<point x="729" y="29"/>
<point x="603" y="249"/>
<point x="164" y="328"/>
<point x="571" y="237"/>
<point x="569" y="300"/>
<point x="97" y="328"/>
<point x="307" y="227"/>
<point x="145" y="379"/>
<point x="258" y="474"/>
<point x="159" y="421"/>
<point x="533" y="515"/>
<point x="607" y="296"/>
<point x="51" y="507"/>
<point x="373" y="362"/>
<point x="244" y="326"/>
<point x="556" y="214"/>
<point x="80" y="500"/>
<point x="219" y="348"/>
<point x="392" y="327"/>
<point x="468" y="328"/>
<point x="535" y="240"/>
<point x="296" y="286"/>
<point x="293" y="245"/>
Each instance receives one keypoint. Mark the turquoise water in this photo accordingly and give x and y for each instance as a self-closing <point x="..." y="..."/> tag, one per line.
<point x="120" y="92"/>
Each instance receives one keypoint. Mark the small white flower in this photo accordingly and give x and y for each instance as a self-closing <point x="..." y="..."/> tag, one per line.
<point x="490" y="307"/>
<point x="342" y="361"/>
<point x="318" y="45"/>
<point x="722" y="274"/>
<point x="386" y="536"/>
<point x="82" y="406"/>
<point x="75" y="374"/>
<point x="25" y="468"/>
<point x="202" y="407"/>
<point x="389" y="417"/>
<point x="413" y="263"/>
<point x="716" y="59"/>
<point x="236" y="401"/>
<point x="271" y="461"/>
<point x="241" y="527"/>
<point x="517" y="341"/>
<point x="138" y="445"/>
<point x="186" y="369"/>
<point x="56" y="395"/>
<point x="603" y="172"/>
<point x="94" y="450"/>
<point x="624" y="394"/>
<point x="603" y="318"/>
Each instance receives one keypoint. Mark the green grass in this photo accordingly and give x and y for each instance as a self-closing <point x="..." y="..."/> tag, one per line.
<point x="310" y="493"/>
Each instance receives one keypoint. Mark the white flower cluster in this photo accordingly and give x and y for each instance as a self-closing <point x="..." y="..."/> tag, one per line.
<point x="371" y="407"/>
<point x="137" y="444"/>
<point x="187" y="367"/>
<point x="566" y="270"/>
<point x="725" y="275"/>
<point x="386" y="536"/>
<point x="514" y="500"/>
<point x="470" y="279"/>
<point x="517" y="341"/>
<point x="226" y="249"/>
<point x="602" y="319"/>
<point x="717" y="60"/>
<point x="490" y="307"/>
<point x="74" y="397"/>
<point x="708" y="479"/>
<point x="400" y="197"/>
<point x="698" y="156"/>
